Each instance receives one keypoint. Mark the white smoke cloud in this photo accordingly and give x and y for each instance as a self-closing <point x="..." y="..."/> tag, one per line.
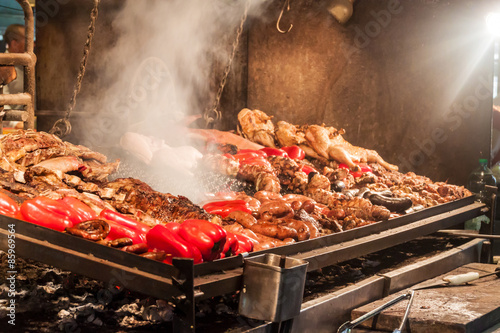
<point x="160" y="68"/>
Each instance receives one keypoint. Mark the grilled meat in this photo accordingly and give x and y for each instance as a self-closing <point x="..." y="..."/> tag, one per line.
<point x="256" y="126"/>
<point x="289" y="135"/>
<point x="129" y="195"/>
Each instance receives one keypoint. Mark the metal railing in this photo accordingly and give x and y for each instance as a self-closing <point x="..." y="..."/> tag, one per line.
<point x="28" y="61"/>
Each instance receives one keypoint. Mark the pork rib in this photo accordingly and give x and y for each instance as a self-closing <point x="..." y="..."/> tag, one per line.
<point x="129" y="195"/>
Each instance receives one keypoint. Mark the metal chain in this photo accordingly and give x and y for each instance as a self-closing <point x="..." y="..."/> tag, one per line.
<point x="62" y="127"/>
<point x="218" y="115"/>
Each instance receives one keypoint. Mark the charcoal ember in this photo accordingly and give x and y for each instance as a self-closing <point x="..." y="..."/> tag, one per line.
<point x="158" y="312"/>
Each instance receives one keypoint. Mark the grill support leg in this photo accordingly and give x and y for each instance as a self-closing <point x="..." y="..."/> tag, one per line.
<point x="184" y="319"/>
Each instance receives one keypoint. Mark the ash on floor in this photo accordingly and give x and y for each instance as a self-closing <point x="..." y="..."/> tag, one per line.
<point x="51" y="300"/>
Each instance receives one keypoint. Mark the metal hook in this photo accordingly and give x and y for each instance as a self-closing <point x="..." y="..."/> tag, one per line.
<point x="287" y="5"/>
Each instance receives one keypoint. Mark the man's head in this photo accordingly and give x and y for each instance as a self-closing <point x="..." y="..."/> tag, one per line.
<point x="14" y="38"/>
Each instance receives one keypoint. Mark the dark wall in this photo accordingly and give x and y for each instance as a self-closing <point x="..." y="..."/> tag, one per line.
<point x="410" y="79"/>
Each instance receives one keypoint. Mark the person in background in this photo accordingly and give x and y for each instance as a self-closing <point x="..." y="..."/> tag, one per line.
<point x="15" y="40"/>
<point x="7" y="75"/>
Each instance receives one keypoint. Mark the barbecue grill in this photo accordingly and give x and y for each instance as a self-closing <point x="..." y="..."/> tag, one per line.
<point x="184" y="283"/>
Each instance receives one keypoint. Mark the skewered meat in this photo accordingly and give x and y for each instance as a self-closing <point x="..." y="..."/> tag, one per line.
<point x="256" y="126"/>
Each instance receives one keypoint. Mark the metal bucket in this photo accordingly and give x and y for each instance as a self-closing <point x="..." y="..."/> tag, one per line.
<point x="273" y="287"/>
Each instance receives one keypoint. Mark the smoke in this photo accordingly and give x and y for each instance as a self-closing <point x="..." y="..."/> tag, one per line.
<point x="160" y="70"/>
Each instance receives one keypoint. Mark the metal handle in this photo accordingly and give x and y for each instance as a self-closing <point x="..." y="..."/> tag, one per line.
<point x="348" y="326"/>
<point x="407" y="312"/>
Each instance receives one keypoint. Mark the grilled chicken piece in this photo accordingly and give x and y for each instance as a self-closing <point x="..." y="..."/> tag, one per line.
<point x="289" y="135"/>
<point x="329" y="143"/>
<point x="318" y="138"/>
<point x="256" y="126"/>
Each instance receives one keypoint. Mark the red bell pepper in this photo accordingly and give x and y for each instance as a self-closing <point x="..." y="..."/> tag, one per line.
<point x="223" y="208"/>
<point x="221" y="203"/>
<point x="166" y="238"/>
<point x="259" y="152"/>
<point x="35" y="213"/>
<point x="294" y="152"/>
<point x="257" y="161"/>
<point x="274" y="152"/>
<point x="245" y="156"/>
<point x="126" y="221"/>
<point x="307" y="169"/>
<point x="117" y="230"/>
<point x="84" y="212"/>
<point x="208" y="237"/>
<point x="8" y="206"/>
<point x="59" y="207"/>
<point x="231" y="245"/>
<point x="245" y="243"/>
<point x="356" y="174"/>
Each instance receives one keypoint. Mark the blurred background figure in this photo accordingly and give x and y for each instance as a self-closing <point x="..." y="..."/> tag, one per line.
<point x="15" y="42"/>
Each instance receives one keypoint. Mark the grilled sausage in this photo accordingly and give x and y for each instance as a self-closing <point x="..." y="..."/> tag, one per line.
<point x="264" y="196"/>
<point x="274" y="230"/>
<point x="94" y="230"/>
<point x="158" y="256"/>
<point x="313" y="225"/>
<point x="274" y="209"/>
<point x="394" y="204"/>
<point x="302" y="229"/>
<point x="309" y="206"/>
<point x="265" y="242"/>
<point x="120" y="242"/>
<point x="136" y="248"/>
<point x="245" y="219"/>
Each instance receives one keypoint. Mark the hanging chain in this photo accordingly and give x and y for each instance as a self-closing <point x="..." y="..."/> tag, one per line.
<point x="62" y="127"/>
<point x="209" y="119"/>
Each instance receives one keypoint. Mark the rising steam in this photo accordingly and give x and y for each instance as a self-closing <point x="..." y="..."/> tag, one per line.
<point x="160" y="70"/>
